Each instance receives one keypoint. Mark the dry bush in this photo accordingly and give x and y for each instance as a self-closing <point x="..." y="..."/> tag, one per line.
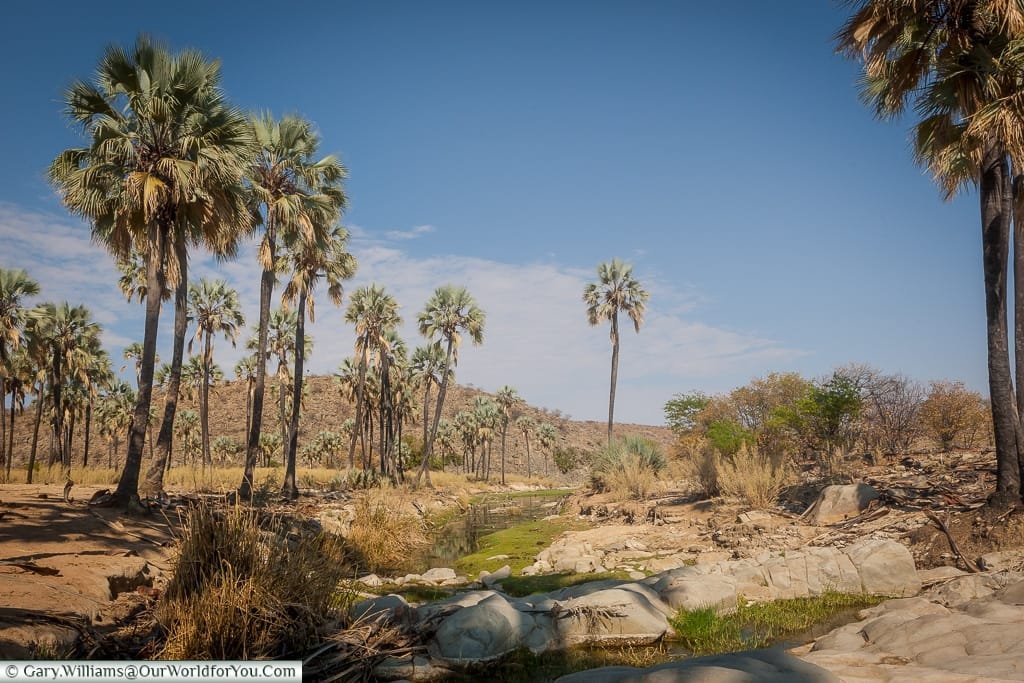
<point x="752" y="476"/>
<point x="697" y="463"/>
<point x="386" y="529"/>
<point x="247" y="585"/>
<point x="632" y="479"/>
<point x="629" y="468"/>
<point x="953" y="415"/>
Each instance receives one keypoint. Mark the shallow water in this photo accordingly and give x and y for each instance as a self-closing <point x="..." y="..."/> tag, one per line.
<point x="461" y="536"/>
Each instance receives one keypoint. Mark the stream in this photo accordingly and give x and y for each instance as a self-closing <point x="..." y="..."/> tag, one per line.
<point x="461" y="536"/>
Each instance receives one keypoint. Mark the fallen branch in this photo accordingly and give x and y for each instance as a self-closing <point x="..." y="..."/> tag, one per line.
<point x="971" y="566"/>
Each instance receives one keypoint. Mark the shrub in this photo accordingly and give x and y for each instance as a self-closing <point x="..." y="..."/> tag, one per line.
<point x="751" y="476"/>
<point x="566" y="459"/>
<point x="954" y="415"/>
<point x="386" y="530"/>
<point x="224" y="448"/>
<point x="244" y="587"/>
<point x="727" y="436"/>
<point x="628" y="467"/>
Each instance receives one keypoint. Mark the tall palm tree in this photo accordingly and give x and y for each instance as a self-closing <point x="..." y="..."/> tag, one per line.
<point x="527" y="426"/>
<point x="488" y="422"/>
<point x="308" y="263"/>
<point x="165" y="156"/>
<point x="70" y="338"/>
<point x="450" y="312"/>
<point x="245" y="369"/>
<point x="427" y="365"/>
<point x="615" y="291"/>
<point x="391" y="362"/>
<point x="466" y="426"/>
<point x="507" y="399"/>
<point x="216" y="310"/>
<point x="20" y="377"/>
<point x="15" y="287"/>
<point x="547" y="436"/>
<point x="958" y="64"/>
<point x="300" y="198"/>
<point x="374" y="313"/>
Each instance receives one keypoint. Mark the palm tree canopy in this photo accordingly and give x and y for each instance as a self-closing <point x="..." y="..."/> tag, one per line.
<point x="309" y="262"/>
<point x="374" y="313"/>
<point x="215" y="309"/>
<point x="427" y="365"/>
<point x="507" y="398"/>
<point x="15" y="286"/>
<point x="164" y="147"/>
<point x="301" y="195"/>
<point x="616" y="290"/>
<point x="958" y="63"/>
<point x="449" y="312"/>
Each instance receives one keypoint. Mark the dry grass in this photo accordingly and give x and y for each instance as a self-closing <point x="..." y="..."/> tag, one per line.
<point x="387" y="529"/>
<point x="633" y="479"/>
<point x="188" y="477"/>
<point x="248" y="585"/>
<point x="752" y="477"/>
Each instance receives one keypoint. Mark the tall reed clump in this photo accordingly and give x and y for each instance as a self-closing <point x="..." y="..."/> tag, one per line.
<point x="387" y="530"/>
<point x="629" y="468"/>
<point x="246" y="585"/>
<point x="751" y="476"/>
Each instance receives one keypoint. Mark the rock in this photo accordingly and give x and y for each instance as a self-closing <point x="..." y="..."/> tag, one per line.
<point x="410" y="668"/>
<point x="587" y="564"/>
<point x="760" y="666"/>
<point x="1001" y="561"/>
<point x="438" y="574"/>
<point x="936" y="574"/>
<point x="452" y="603"/>
<point x="531" y="570"/>
<point x="494" y="577"/>
<point x="699" y="592"/>
<point x="383" y="607"/>
<point x="754" y="517"/>
<point x="661" y="564"/>
<point x="841" y="501"/>
<point x="497" y="557"/>
<point x="371" y="580"/>
<point x="636" y="576"/>
<point x="885" y="567"/>
<point x="481" y="633"/>
<point x="613" y="615"/>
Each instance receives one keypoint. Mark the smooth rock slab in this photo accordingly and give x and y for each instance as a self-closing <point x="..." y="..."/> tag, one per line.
<point x="613" y="615"/>
<point x="755" y="666"/>
<point x="481" y="633"/>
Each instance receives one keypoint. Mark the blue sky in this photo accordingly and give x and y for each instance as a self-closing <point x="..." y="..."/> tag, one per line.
<point x="721" y="149"/>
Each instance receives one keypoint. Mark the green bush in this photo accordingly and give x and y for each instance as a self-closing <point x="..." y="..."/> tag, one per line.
<point x="727" y="437"/>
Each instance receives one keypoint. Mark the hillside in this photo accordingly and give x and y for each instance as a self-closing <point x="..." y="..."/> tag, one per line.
<point x="325" y="410"/>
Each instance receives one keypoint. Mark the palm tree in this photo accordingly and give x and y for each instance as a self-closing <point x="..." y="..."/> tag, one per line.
<point x="216" y="310"/>
<point x="245" y="369"/>
<point x="70" y="339"/>
<point x="527" y="426"/>
<point x="15" y="286"/>
<point x="466" y="427"/>
<point x="446" y="315"/>
<point x="547" y="435"/>
<point x="300" y="198"/>
<point x="330" y="260"/>
<point x="488" y="419"/>
<point x="98" y="374"/>
<point x="507" y="399"/>
<point x="616" y="290"/>
<point x="427" y="364"/>
<point x="20" y="376"/>
<point x="165" y="157"/>
<point x="373" y="312"/>
<point x="959" y="64"/>
<point x="114" y="414"/>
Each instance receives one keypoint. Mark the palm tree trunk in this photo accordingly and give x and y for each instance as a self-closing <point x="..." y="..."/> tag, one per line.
<point x="527" y="437"/>
<point x="248" y="405"/>
<point x="282" y="419"/>
<point x="504" y="431"/>
<point x="204" y="398"/>
<point x="360" y="388"/>
<point x="428" y="449"/>
<point x="10" y="444"/>
<point x="995" y="236"/>
<point x="290" y="489"/>
<point x="426" y="417"/>
<point x="615" y="375"/>
<point x="35" y="433"/>
<point x="88" y="427"/>
<point x="154" y="483"/>
<point x="3" y="421"/>
<point x="70" y="439"/>
<point x="128" y="484"/>
<point x="252" y="448"/>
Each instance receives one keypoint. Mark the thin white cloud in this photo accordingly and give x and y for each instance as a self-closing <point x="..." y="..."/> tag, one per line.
<point x="414" y="233"/>
<point x="536" y="337"/>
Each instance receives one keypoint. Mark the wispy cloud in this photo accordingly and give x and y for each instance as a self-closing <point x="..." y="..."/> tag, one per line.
<point x="411" y="234"/>
<point x="536" y="338"/>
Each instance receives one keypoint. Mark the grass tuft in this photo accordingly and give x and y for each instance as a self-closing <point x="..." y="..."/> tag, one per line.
<point x="704" y="631"/>
<point x="387" y="531"/>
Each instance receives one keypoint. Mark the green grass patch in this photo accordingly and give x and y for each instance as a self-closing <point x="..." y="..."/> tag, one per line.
<point x="703" y="631"/>
<point x="413" y="592"/>
<point x="519" y="586"/>
<point x="521" y="543"/>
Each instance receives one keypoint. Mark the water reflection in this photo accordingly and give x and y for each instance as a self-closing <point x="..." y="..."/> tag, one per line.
<point x="462" y="535"/>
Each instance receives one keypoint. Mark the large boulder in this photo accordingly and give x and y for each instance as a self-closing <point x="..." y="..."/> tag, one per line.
<point x="885" y="567"/>
<point x="755" y="666"/>
<point x="698" y="592"/>
<point x="839" y="502"/>
<point x="481" y="633"/>
<point x="613" y="615"/>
